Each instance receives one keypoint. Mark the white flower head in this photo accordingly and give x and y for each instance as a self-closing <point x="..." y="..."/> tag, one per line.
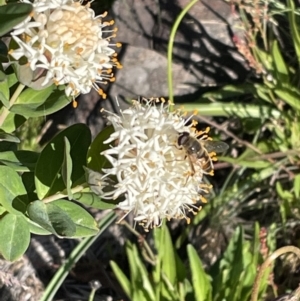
<point x="154" y="174"/>
<point x="65" y="38"/>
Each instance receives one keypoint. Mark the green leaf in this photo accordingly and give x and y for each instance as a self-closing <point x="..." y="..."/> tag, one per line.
<point x="290" y="97"/>
<point x="293" y="25"/>
<point x="67" y="168"/>
<point x="13" y="14"/>
<point x="52" y="218"/>
<point x="4" y="88"/>
<point x="14" y="236"/>
<point x="263" y="92"/>
<point x="85" y="223"/>
<point x="201" y="284"/>
<point x="232" y="109"/>
<point x="7" y="146"/>
<point x="257" y="164"/>
<point x="279" y="64"/>
<point x="28" y="181"/>
<point x="76" y="254"/>
<point x="21" y="161"/>
<point x="165" y="274"/>
<point x="48" y="178"/>
<point x="33" y="98"/>
<point x="3" y="52"/>
<point x="37" y="229"/>
<point x="12" y="122"/>
<point x="297" y="186"/>
<point x="2" y="210"/>
<point x="13" y="195"/>
<point x="230" y="91"/>
<point x="141" y="285"/>
<point x="164" y="244"/>
<point x="8" y="137"/>
<point x="95" y="160"/>
<point x="40" y="103"/>
<point x="121" y="277"/>
<point x="237" y="260"/>
<point x="11" y="77"/>
<point x="265" y="58"/>
<point x="233" y="265"/>
<point x="92" y="200"/>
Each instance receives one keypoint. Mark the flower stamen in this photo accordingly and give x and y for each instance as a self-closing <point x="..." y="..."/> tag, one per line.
<point x="156" y="175"/>
<point x="65" y="38"/>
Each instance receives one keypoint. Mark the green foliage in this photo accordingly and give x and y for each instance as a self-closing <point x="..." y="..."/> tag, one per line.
<point x="38" y="188"/>
<point x="14" y="235"/>
<point x="45" y="191"/>
<point x="94" y="158"/>
<point x="12" y="14"/>
<point x="50" y="165"/>
<point x="36" y="103"/>
<point x="170" y="278"/>
<point x="51" y="218"/>
<point x="200" y="281"/>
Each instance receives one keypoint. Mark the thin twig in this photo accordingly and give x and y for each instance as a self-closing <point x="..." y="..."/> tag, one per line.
<point x="11" y="102"/>
<point x="142" y="239"/>
<point x="243" y="142"/>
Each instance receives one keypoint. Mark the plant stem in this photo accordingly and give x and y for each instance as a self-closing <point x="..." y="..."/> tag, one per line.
<point x="59" y="196"/>
<point x="267" y="263"/>
<point x="151" y="255"/>
<point x="92" y="295"/>
<point x="170" y="46"/>
<point x="76" y="254"/>
<point x="11" y="102"/>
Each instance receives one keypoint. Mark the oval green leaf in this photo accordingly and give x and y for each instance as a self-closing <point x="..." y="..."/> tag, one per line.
<point x="3" y="52"/>
<point x="12" y="14"/>
<point x="12" y="122"/>
<point x="13" y="196"/>
<point x="201" y="284"/>
<point x="34" y="98"/>
<point x="22" y="161"/>
<point x="85" y="223"/>
<point x="38" y="105"/>
<point x="8" y="137"/>
<point x="14" y="236"/>
<point x="48" y="178"/>
<point x="37" y="229"/>
<point x="52" y="218"/>
<point x="96" y="161"/>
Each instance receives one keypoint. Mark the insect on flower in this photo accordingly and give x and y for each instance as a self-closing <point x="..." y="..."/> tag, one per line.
<point x="150" y="152"/>
<point x="201" y="152"/>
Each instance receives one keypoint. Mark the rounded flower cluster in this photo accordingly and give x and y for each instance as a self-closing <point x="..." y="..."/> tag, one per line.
<point x="154" y="173"/>
<point x="65" y="38"/>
